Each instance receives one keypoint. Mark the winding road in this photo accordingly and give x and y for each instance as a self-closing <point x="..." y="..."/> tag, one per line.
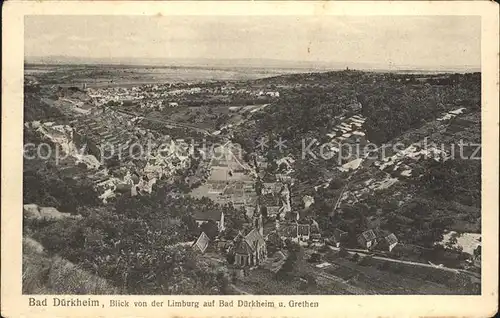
<point x="448" y="269"/>
<point x="239" y="290"/>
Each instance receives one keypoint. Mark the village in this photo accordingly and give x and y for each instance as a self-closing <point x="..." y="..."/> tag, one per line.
<point x="160" y="97"/>
<point x="274" y="231"/>
<point x="267" y="240"/>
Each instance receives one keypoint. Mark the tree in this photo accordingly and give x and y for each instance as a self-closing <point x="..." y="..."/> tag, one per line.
<point x="335" y="184"/>
<point x="132" y="253"/>
<point x="230" y="258"/>
<point x="210" y="228"/>
<point x="234" y="220"/>
<point x="477" y="252"/>
<point x="290" y="266"/>
<point x="384" y="266"/>
<point x="263" y="210"/>
<point x="365" y="261"/>
<point x="223" y="283"/>
<point x="45" y="186"/>
<point x="343" y="252"/>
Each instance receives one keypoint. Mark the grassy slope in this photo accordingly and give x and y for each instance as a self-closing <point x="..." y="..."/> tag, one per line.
<point x="54" y="275"/>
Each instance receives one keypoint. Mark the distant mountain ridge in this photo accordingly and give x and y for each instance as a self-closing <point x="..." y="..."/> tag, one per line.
<point x="246" y="62"/>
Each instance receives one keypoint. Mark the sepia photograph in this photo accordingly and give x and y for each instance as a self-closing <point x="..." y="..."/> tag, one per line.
<point x="212" y="155"/>
<point x="250" y="155"/>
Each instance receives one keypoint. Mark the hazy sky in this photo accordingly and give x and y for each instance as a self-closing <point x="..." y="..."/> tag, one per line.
<point x="396" y="40"/>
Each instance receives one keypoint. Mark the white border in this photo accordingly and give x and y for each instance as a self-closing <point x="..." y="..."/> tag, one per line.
<point x="14" y="304"/>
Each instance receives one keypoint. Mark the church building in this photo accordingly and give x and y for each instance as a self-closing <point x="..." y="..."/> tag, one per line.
<point x="250" y="250"/>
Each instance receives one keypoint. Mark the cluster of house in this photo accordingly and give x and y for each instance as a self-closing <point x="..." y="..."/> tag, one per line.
<point x="101" y="96"/>
<point x="349" y="131"/>
<point x="188" y="91"/>
<point x="270" y="94"/>
<point x="108" y="132"/>
<point x="275" y="196"/>
<point x="230" y="180"/>
<point x="164" y="104"/>
<point x="232" y="89"/>
<point x="402" y="162"/>
<point x="303" y="232"/>
<point x="248" y="247"/>
<point x="160" y="97"/>
<point x="156" y="104"/>
<point x="111" y="136"/>
<point x="140" y="176"/>
<point x="145" y="96"/>
<point x="63" y="136"/>
<point x="399" y="163"/>
<point x="377" y="238"/>
<point x="214" y="90"/>
<point x="30" y="81"/>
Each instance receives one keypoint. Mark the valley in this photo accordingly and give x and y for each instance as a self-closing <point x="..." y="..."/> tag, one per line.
<point x="214" y="182"/>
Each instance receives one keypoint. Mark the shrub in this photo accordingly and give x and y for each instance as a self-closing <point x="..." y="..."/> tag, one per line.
<point x="324" y="249"/>
<point x="365" y="261"/>
<point x="343" y="252"/>
<point x="398" y="268"/>
<point x="384" y="266"/>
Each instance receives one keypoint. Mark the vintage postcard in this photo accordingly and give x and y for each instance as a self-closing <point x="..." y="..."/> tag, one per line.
<point x="249" y="159"/>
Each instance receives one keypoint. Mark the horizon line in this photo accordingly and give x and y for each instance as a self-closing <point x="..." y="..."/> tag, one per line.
<point x="309" y="70"/>
<point x="304" y="64"/>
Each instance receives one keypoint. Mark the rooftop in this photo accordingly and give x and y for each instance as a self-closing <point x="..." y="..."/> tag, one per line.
<point x="254" y="238"/>
<point x="202" y="242"/>
<point x="214" y="215"/>
<point x="368" y="235"/>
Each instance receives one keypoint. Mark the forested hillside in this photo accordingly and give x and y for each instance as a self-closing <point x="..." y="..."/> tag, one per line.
<point x="407" y="191"/>
<point x="134" y="244"/>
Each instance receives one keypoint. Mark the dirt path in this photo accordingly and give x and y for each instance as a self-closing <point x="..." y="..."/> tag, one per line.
<point x="454" y="270"/>
<point x="350" y="289"/>
<point x="239" y="290"/>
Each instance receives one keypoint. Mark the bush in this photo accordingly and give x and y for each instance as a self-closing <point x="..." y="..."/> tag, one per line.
<point x="365" y="261"/>
<point x="324" y="249"/>
<point x="336" y="184"/>
<point x="398" y="268"/>
<point x="343" y="252"/>
<point x="384" y="266"/>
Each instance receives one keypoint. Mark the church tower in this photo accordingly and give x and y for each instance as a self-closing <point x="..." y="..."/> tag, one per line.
<point x="257" y="221"/>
